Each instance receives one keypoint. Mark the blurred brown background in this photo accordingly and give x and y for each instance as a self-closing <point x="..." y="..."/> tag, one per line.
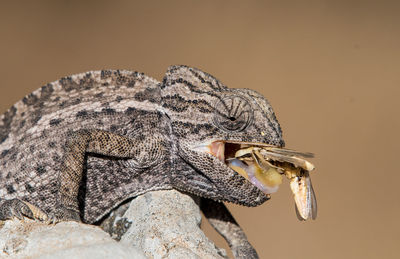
<point x="329" y="68"/>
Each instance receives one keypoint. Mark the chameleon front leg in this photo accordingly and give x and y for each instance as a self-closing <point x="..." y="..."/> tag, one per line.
<point x="78" y="144"/>
<point x="224" y="223"/>
<point x="19" y="209"/>
<point x="14" y="208"/>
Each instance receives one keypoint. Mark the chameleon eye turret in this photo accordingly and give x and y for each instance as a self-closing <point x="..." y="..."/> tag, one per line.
<point x="232" y="119"/>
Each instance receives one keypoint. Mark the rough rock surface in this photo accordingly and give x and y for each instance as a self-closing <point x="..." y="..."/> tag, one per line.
<point x="166" y="224"/>
<point x="31" y="239"/>
<point x="160" y="224"/>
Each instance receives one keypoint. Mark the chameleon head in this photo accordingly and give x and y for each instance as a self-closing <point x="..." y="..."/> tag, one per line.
<point x="210" y="124"/>
<point x="204" y="111"/>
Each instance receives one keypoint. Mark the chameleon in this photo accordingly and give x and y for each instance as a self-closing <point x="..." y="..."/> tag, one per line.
<point x="78" y="147"/>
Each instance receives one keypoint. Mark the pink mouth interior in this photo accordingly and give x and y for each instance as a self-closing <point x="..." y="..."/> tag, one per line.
<point x="225" y="152"/>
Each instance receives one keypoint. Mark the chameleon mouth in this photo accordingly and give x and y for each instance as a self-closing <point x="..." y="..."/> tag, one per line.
<point x="264" y="166"/>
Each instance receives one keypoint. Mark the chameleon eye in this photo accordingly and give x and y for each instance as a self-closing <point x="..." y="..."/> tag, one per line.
<point x="233" y="113"/>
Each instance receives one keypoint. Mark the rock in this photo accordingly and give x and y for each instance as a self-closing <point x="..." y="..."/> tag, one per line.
<point x="31" y="239"/>
<point x="166" y="224"/>
<point x="159" y="224"/>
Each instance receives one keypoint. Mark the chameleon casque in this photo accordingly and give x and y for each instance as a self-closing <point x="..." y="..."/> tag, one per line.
<point x="78" y="147"/>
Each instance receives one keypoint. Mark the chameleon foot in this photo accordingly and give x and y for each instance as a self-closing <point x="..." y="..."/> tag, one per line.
<point x="245" y="250"/>
<point x="16" y="208"/>
<point x="63" y="214"/>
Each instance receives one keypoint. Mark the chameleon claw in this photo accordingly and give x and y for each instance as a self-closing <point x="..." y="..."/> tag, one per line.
<point x="51" y="220"/>
<point x="17" y="214"/>
<point x="63" y="214"/>
<point x="245" y="250"/>
<point x="15" y="208"/>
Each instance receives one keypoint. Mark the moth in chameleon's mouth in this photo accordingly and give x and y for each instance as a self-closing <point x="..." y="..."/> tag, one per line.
<point x="263" y="165"/>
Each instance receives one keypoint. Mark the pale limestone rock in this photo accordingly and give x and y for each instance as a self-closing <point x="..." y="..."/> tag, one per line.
<point x="31" y="239"/>
<point x="160" y="224"/>
<point x="166" y="224"/>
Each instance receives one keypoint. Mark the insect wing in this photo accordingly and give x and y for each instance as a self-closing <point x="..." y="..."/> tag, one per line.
<point x="297" y="161"/>
<point x="304" y="196"/>
<point x="289" y="152"/>
<point x="312" y="198"/>
<point x="272" y="148"/>
<point x="299" y="217"/>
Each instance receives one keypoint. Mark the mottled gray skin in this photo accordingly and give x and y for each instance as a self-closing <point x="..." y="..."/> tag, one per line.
<point x="78" y="147"/>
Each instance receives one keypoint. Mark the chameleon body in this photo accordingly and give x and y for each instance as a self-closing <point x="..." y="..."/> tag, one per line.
<point x="76" y="148"/>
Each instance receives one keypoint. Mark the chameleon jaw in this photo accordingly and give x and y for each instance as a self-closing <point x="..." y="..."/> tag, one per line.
<point x="267" y="181"/>
<point x="263" y="165"/>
